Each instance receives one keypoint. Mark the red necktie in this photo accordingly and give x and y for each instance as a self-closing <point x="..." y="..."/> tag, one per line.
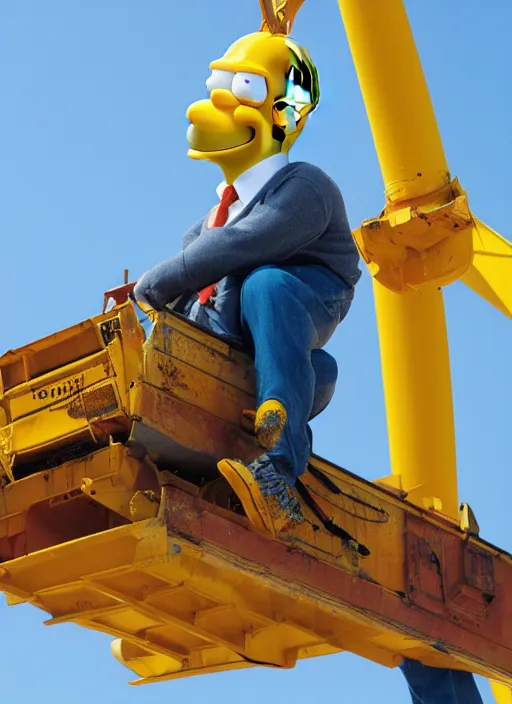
<point x="218" y="218"/>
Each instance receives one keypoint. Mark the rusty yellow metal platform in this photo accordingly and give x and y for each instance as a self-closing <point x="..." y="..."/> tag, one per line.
<point x="113" y="516"/>
<point x="195" y="589"/>
<point x="69" y="394"/>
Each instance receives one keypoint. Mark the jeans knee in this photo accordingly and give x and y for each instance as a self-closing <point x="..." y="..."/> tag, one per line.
<point x="325" y="366"/>
<point x="262" y="283"/>
<point x="326" y="373"/>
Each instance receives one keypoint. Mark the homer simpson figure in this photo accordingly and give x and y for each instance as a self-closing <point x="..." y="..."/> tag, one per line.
<point x="273" y="264"/>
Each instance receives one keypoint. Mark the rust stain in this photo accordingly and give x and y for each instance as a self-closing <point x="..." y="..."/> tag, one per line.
<point x="195" y="428"/>
<point x="76" y="409"/>
<point x="172" y="376"/>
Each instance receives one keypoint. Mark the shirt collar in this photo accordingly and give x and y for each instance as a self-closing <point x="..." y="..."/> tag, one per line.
<point x="248" y="184"/>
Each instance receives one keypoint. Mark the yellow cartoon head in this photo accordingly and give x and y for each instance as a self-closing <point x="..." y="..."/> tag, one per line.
<point x="261" y="92"/>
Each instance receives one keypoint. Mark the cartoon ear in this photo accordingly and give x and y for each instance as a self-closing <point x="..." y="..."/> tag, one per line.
<point x="279" y="15"/>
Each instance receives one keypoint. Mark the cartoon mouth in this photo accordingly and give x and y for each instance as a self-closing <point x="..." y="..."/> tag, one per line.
<point x="201" y="142"/>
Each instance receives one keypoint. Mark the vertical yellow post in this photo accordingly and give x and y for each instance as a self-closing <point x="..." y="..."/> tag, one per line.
<point x="412" y="326"/>
<point x="417" y="389"/>
<point x="501" y="692"/>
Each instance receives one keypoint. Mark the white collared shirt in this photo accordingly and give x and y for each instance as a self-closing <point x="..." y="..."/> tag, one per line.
<point x="248" y="184"/>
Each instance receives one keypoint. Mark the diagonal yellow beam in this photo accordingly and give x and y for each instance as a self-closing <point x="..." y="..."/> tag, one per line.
<point x="490" y="275"/>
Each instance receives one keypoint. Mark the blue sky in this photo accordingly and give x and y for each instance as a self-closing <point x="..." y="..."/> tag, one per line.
<point x="95" y="178"/>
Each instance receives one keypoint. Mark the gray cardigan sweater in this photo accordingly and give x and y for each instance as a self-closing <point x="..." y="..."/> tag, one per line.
<point x="298" y="217"/>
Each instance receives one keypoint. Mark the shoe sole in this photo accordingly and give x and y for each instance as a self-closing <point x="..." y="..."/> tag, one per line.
<point x="242" y="488"/>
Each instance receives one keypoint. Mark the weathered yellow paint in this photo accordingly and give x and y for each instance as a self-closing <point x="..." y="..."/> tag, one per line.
<point x="178" y="380"/>
<point x="186" y="382"/>
<point x="65" y="479"/>
<point x="183" y="603"/>
<point x="76" y="398"/>
<point x="211" y="355"/>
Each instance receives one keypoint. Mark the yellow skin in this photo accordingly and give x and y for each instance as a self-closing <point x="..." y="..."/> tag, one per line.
<point x="232" y="132"/>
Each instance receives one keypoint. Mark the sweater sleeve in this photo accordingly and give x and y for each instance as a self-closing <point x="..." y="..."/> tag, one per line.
<point x="192" y="234"/>
<point x="148" y="285"/>
<point x="288" y="218"/>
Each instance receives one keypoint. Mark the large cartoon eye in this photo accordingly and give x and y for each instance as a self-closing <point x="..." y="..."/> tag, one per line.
<point x="220" y="79"/>
<point x="249" y="87"/>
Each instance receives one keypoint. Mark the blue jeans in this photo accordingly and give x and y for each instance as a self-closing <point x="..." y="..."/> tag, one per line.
<point x="288" y="314"/>
<point x="284" y="315"/>
<point x="432" y="685"/>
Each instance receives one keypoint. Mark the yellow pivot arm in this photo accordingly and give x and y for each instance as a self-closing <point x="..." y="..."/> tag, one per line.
<point x="490" y="275"/>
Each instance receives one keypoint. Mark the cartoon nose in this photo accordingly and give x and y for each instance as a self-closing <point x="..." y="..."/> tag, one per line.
<point x="199" y="110"/>
<point x="224" y="99"/>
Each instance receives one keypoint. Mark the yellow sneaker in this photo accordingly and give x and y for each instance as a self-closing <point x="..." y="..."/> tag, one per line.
<point x="269" y="423"/>
<point x="269" y="502"/>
